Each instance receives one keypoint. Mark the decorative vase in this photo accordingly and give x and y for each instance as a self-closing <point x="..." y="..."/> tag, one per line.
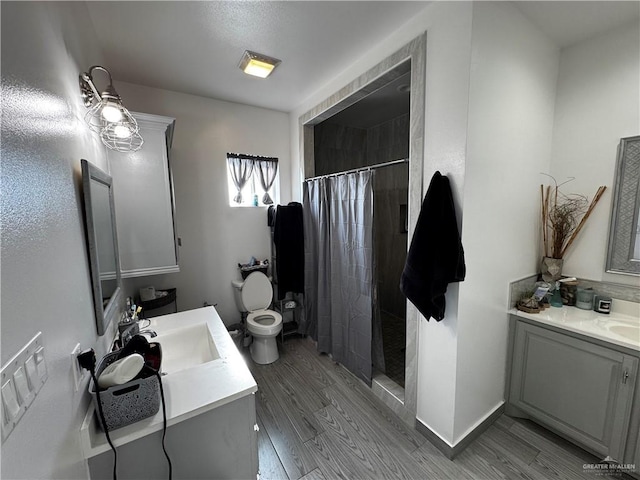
<point x="551" y="269"/>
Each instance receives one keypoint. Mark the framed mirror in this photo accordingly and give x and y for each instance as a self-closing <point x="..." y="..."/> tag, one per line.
<point x="102" y="242"/>
<point x="623" y="255"/>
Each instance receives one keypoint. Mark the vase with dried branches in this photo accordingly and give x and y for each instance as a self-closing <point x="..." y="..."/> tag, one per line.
<point x="563" y="217"/>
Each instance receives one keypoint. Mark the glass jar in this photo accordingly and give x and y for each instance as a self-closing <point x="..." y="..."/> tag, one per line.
<point x="584" y="298"/>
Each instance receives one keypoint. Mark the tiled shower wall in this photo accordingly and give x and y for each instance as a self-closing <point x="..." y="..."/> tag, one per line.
<point x="388" y="141"/>
<point x="390" y="235"/>
<point x="339" y="148"/>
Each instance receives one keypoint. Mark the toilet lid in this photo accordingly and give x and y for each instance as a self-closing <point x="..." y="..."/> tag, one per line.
<point x="256" y="292"/>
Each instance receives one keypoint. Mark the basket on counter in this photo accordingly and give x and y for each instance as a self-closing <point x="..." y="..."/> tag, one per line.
<point x="127" y="403"/>
<point x="246" y="269"/>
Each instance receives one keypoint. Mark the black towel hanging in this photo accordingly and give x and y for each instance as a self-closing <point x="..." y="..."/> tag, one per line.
<point x="436" y="256"/>
<point x="288" y="238"/>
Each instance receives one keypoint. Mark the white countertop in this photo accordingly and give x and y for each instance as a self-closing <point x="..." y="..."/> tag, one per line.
<point x="593" y="324"/>
<point x="189" y="392"/>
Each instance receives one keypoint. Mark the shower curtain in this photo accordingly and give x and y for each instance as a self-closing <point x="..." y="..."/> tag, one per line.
<point x="338" y="221"/>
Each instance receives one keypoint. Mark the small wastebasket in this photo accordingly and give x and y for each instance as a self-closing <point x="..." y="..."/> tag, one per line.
<point x="128" y="403"/>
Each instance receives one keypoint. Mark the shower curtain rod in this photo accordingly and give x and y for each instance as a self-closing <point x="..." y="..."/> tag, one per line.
<point x="360" y="169"/>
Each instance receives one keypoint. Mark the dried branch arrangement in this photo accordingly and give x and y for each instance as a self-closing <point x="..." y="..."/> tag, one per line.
<point x="563" y="216"/>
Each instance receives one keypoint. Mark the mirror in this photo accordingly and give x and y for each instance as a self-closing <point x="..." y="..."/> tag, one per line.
<point x="623" y="255"/>
<point x="100" y="223"/>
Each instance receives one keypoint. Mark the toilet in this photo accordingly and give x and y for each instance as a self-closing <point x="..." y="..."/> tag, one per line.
<point x="253" y="296"/>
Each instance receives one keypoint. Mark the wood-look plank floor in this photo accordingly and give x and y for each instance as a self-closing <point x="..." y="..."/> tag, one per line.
<point x="318" y="422"/>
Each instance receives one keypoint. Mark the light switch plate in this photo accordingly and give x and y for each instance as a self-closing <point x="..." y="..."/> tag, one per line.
<point x="10" y="400"/>
<point x="21" y="378"/>
<point x="25" y="395"/>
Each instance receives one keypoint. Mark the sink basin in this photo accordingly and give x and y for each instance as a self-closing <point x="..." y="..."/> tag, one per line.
<point x="186" y="347"/>
<point x="628" y="331"/>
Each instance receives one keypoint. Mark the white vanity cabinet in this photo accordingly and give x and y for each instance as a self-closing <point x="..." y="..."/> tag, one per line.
<point x="209" y="395"/>
<point x="143" y="195"/>
<point x="219" y="444"/>
<point x="580" y="389"/>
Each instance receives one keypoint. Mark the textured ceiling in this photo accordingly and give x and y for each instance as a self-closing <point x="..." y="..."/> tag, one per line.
<point x="570" y="22"/>
<point x="195" y="47"/>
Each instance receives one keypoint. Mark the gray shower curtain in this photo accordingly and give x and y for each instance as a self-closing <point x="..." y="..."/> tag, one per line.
<point x="339" y="267"/>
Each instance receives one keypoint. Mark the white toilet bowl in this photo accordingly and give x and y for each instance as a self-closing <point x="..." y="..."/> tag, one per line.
<point x="264" y="325"/>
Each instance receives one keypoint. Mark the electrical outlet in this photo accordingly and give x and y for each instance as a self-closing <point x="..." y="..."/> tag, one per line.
<point x="78" y="371"/>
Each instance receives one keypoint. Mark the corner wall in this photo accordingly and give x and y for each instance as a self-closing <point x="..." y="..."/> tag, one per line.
<point x="598" y="103"/>
<point x="514" y="69"/>
<point x="215" y="236"/>
<point x="45" y="271"/>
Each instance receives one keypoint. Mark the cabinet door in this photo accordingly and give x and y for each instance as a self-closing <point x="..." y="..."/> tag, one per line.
<point x="143" y="197"/>
<point x="579" y="389"/>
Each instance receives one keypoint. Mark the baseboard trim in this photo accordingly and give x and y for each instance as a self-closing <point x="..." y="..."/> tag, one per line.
<point x="383" y="388"/>
<point x="452" y="451"/>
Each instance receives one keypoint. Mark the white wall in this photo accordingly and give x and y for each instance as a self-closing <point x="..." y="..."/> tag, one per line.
<point x="448" y="27"/>
<point x="45" y="274"/>
<point x="514" y="69"/>
<point x="215" y="237"/>
<point x="598" y="103"/>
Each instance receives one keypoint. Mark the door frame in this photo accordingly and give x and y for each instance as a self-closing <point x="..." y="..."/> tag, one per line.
<point x="411" y="56"/>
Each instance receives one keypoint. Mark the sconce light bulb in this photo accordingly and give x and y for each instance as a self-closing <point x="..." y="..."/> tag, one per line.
<point x="111" y="113"/>
<point x="121" y="131"/>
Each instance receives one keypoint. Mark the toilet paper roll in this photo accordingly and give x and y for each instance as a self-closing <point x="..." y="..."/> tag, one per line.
<point x="147" y="293"/>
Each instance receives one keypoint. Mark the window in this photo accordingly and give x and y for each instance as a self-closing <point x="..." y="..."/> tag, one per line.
<point x="252" y="180"/>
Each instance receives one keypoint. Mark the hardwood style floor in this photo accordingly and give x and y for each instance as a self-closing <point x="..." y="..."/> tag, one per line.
<point x="318" y="422"/>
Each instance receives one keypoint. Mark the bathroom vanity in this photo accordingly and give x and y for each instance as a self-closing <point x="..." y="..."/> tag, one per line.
<point x="576" y="372"/>
<point x="210" y="403"/>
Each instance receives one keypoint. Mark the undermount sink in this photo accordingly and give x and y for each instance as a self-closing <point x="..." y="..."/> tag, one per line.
<point x="631" y="332"/>
<point x="186" y="347"/>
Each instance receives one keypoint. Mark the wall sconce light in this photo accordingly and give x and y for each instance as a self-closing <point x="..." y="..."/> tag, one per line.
<point x="257" y="64"/>
<point x="107" y="116"/>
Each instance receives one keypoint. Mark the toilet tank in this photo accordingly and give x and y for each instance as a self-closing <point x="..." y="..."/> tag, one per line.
<point x="237" y="294"/>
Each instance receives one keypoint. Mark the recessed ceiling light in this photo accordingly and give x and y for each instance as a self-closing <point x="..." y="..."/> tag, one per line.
<point x="257" y="64"/>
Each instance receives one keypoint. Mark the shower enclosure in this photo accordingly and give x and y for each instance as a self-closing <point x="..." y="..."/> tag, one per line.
<point x="374" y="132"/>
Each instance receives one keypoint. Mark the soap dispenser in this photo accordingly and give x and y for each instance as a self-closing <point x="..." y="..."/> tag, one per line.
<point x="556" y="298"/>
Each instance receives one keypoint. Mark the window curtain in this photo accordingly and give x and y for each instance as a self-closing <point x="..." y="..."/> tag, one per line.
<point x="339" y="291"/>
<point x="241" y="169"/>
<point x="268" y="170"/>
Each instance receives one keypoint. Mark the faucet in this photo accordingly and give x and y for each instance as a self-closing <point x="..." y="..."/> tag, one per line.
<point x="149" y="332"/>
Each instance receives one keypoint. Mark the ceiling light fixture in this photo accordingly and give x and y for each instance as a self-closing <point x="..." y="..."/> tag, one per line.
<point x="258" y="65"/>
<point x="107" y="116"/>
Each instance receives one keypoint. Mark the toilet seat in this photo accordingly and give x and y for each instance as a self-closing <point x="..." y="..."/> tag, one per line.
<point x="264" y="322"/>
<point x="257" y="292"/>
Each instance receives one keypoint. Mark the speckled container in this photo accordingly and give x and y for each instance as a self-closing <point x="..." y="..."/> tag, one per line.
<point x="127" y="403"/>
